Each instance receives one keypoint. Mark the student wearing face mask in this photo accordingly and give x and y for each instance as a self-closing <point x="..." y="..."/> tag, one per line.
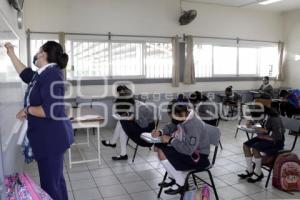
<point x="185" y="144"/>
<point x="49" y="131"/>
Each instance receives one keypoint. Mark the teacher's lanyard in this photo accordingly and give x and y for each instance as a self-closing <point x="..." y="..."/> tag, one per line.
<point x="29" y="89"/>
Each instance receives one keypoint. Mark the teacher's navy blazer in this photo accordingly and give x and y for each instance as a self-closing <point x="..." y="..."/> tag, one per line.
<point x="53" y="134"/>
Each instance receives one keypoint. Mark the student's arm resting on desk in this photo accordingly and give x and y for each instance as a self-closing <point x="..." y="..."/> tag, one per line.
<point x="166" y="130"/>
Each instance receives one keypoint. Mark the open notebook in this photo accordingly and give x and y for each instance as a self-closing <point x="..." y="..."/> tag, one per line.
<point x="252" y="129"/>
<point x="148" y="138"/>
<point x="119" y="117"/>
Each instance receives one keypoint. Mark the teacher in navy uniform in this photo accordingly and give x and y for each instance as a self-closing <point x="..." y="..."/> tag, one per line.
<point x="49" y="130"/>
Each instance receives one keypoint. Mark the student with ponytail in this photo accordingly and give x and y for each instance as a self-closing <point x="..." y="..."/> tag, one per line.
<point x="49" y="131"/>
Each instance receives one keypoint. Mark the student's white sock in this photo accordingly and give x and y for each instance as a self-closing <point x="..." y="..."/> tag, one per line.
<point x="123" y="142"/>
<point x="116" y="134"/>
<point x="257" y="169"/>
<point x="249" y="164"/>
<point x="179" y="176"/>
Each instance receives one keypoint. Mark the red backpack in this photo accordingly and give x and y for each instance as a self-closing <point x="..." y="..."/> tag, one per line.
<point x="286" y="174"/>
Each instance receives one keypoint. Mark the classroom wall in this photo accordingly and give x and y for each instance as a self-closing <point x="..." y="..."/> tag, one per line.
<point x="155" y="17"/>
<point x="292" y="42"/>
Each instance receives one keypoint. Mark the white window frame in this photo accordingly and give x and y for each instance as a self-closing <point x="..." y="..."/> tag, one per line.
<point x="238" y="45"/>
<point x="143" y="58"/>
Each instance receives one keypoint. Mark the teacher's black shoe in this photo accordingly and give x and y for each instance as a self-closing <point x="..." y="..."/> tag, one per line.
<point x="125" y="157"/>
<point x="179" y="190"/>
<point x="107" y="144"/>
<point x="255" y="178"/>
<point x="165" y="184"/>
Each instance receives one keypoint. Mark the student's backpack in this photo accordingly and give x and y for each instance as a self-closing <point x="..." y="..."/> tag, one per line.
<point x="286" y="174"/>
<point x="21" y="187"/>
<point x="203" y="194"/>
<point x="294" y="97"/>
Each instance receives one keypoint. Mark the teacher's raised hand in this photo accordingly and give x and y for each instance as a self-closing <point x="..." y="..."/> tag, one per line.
<point x="9" y="48"/>
<point x="19" y="66"/>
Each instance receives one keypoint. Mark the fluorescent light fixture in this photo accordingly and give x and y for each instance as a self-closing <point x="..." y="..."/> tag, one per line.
<point x="267" y="2"/>
<point x="297" y="57"/>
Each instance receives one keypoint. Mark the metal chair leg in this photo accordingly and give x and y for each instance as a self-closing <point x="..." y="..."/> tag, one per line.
<point x="268" y="179"/>
<point x="221" y="145"/>
<point x="161" y="188"/>
<point x="237" y="130"/>
<point x="213" y="185"/>
<point x="135" y="150"/>
<point x="248" y="135"/>
<point x="194" y="179"/>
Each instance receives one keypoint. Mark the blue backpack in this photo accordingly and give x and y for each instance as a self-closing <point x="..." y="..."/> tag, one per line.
<point x="294" y="97"/>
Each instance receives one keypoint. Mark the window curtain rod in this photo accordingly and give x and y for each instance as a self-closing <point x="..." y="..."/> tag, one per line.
<point x="109" y="35"/>
<point x="235" y="39"/>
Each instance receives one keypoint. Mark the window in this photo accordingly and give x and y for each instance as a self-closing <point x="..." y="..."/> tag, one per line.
<point x="7" y="71"/>
<point x="269" y="65"/>
<point x="203" y="60"/>
<point x="217" y="59"/>
<point x="158" y="60"/>
<point x="119" y="58"/>
<point x="87" y="58"/>
<point x="248" y="61"/>
<point x="126" y="59"/>
<point x="224" y="60"/>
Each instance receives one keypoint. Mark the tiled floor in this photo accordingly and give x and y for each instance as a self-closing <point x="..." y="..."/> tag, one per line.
<point x="138" y="181"/>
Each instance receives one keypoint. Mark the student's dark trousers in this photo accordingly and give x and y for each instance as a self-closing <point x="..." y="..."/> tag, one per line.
<point x="52" y="177"/>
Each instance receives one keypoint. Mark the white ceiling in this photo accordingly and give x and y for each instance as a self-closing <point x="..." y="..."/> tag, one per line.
<point x="284" y="5"/>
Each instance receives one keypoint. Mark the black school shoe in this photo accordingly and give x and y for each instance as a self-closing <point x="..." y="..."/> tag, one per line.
<point x="256" y="178"/>
<point x="179" y="190"/>
<point x="125" y="157"/>
<point x="165" y="184"/>
<point x="247" y="175"/>
<point x="107" y="144"/>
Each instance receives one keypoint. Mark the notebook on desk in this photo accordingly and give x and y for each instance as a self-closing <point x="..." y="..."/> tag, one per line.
<point x="254" y="92"/>
<point x="120" y="117"/>
<point x="148" y="138"/>
<point x="252" y="129"/>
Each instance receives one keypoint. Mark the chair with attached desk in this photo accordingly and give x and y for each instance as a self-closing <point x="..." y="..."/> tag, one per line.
<point x="135" y="148"/>
<point x="214" y="108"/>
<point x="293" y="127"/>
<point x="214" y="137"/>
<point x="246" y="115"/>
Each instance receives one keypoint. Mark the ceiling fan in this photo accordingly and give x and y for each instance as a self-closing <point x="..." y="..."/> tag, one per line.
<point x="18" y="5"/>
<point x="186" y="16"/>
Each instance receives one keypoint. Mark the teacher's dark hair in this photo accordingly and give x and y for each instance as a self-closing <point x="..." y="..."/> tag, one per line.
<point x="55" y="54"/>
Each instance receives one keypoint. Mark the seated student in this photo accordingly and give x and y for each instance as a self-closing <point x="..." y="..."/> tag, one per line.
<point x="231" y="96"/>
<point x="122" y="91"/>
<point x="291" y="102"/>
<point x="230" y="100"/>
<point x="206" y="109"/>
<point x="266" y="89"/>
<point x="139" y="119"/>
<point x="197" y="97"/>
<point x="185" y="144"/>
<point x="263" y="143"/>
